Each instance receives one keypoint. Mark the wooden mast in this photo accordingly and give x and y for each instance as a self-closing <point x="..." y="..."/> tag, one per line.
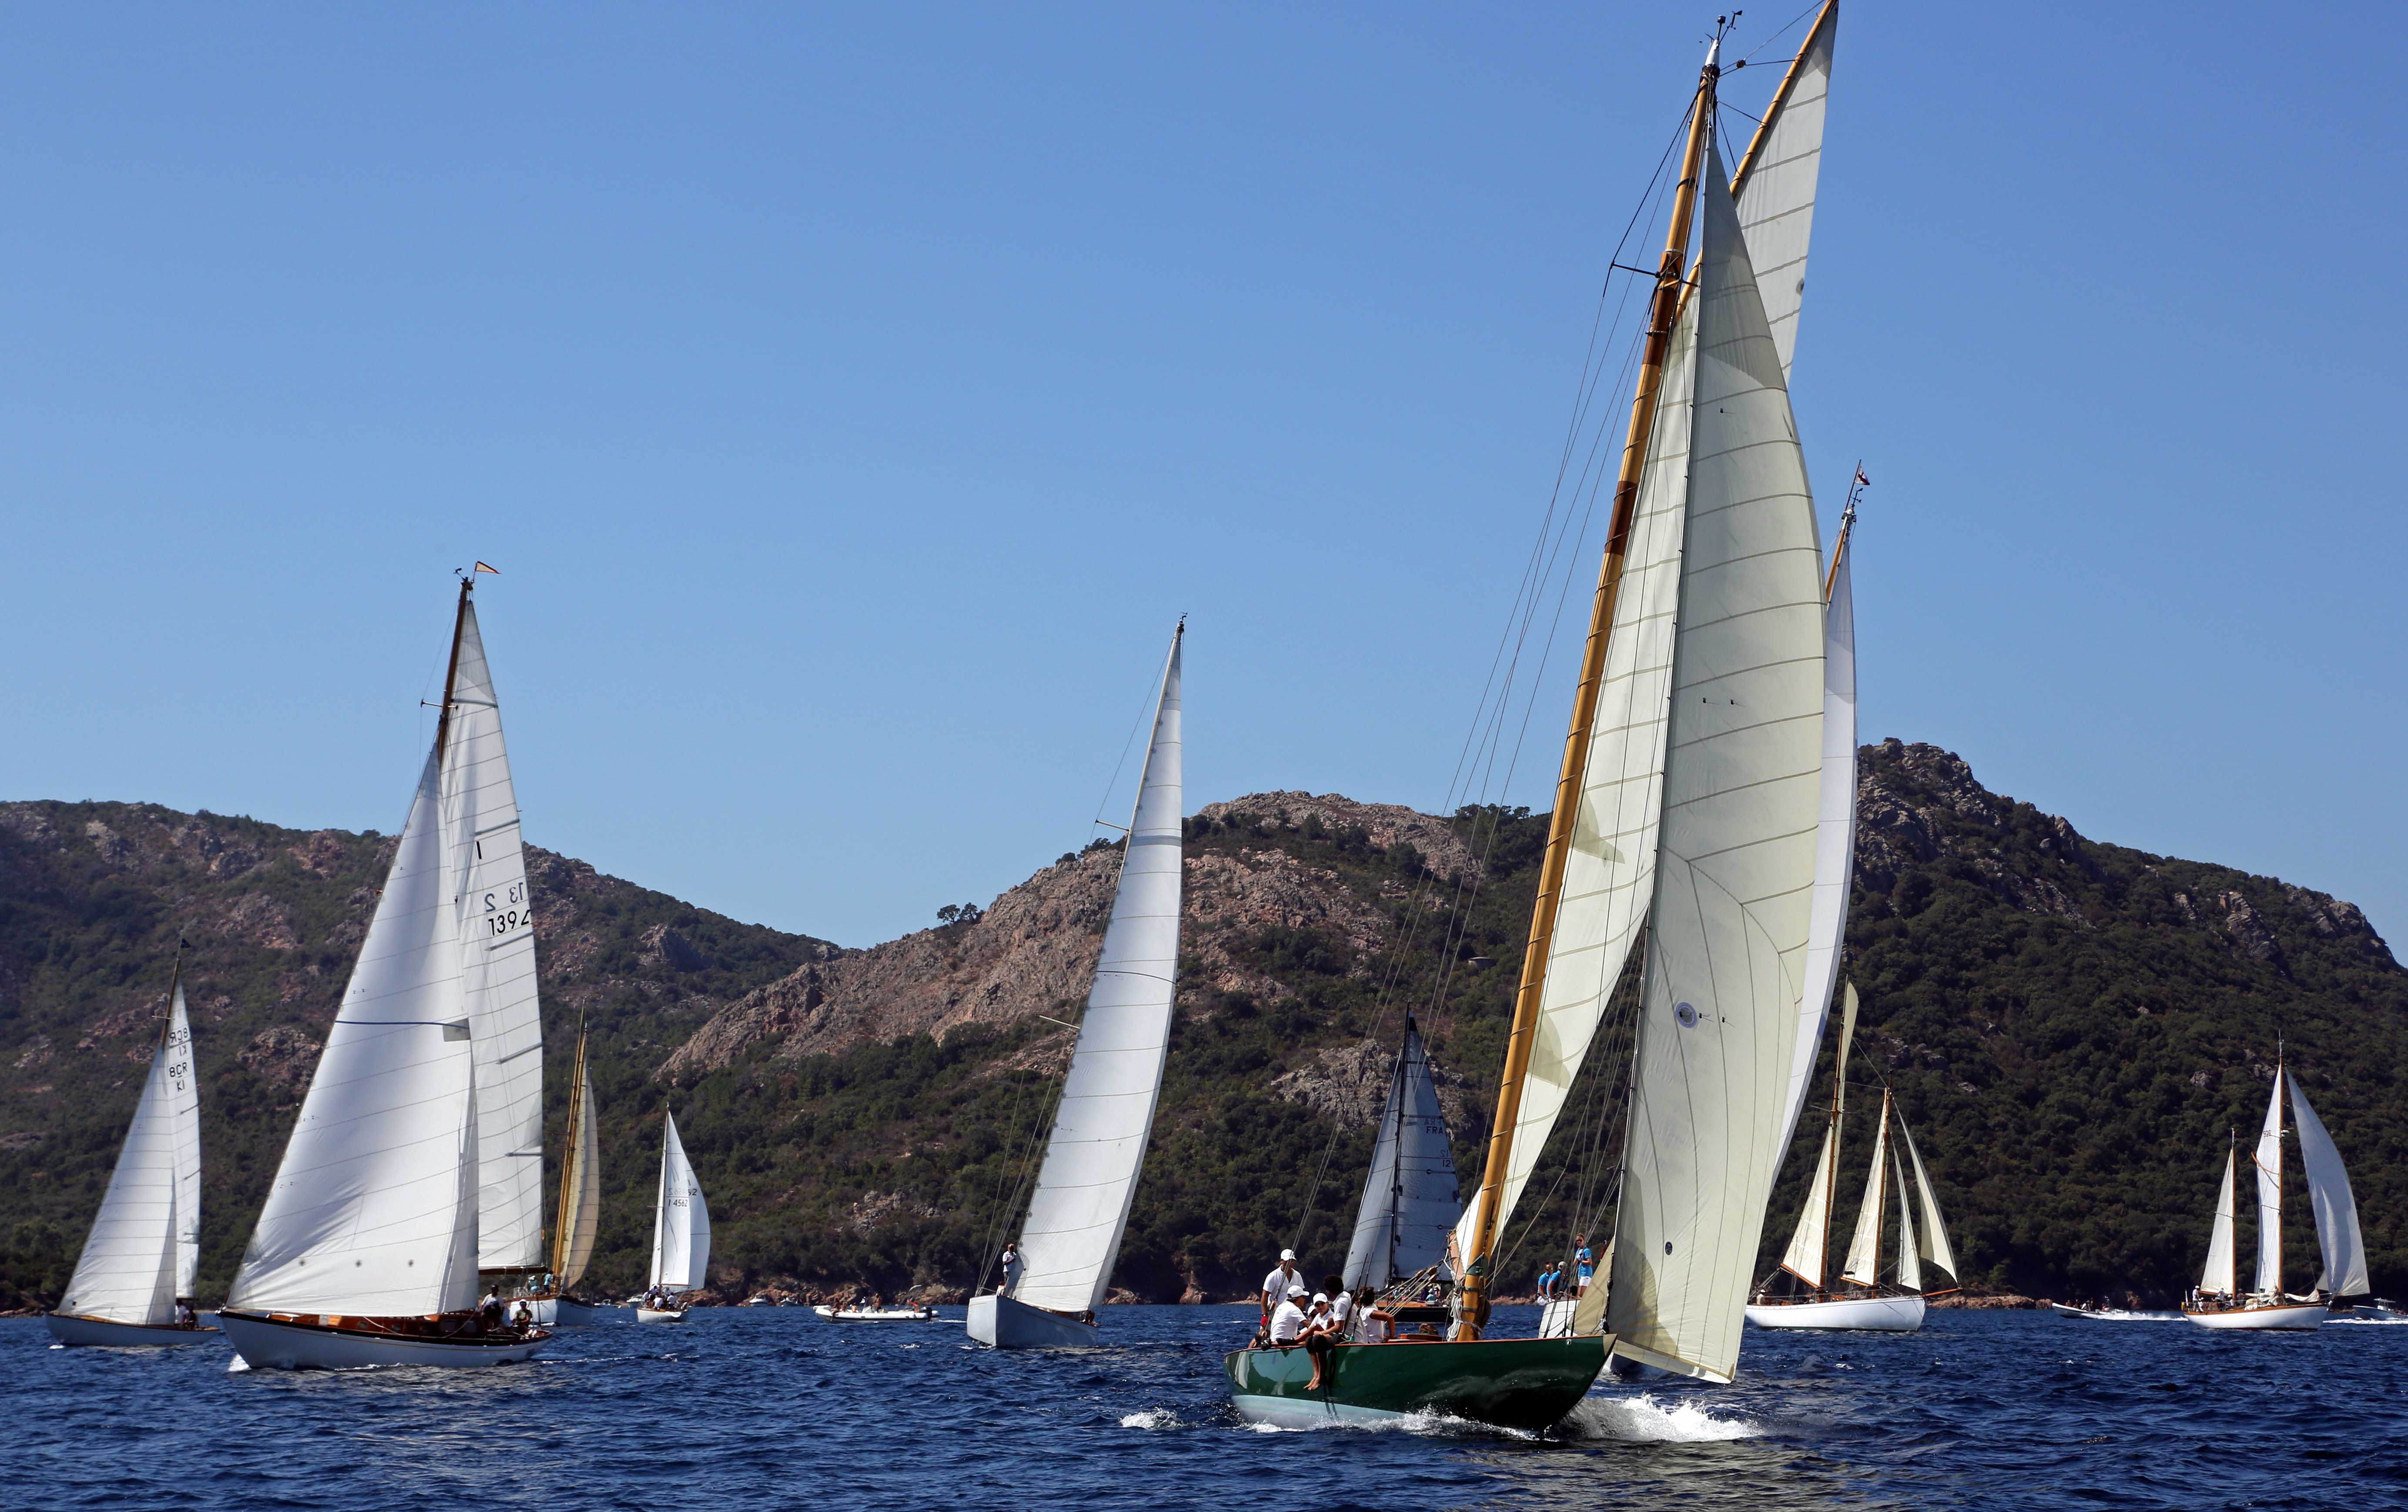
<point x="1663" y="314"/>
<point x="1823" y="24"/>
<point x="561" y="1218"/>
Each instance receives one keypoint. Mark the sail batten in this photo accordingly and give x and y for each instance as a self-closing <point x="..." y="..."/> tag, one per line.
<point x="1098" y="1143"/>
<point x="2343" y="1246"/>
<point x="1410" y="1198"/>
<point x="1729" y="917"/>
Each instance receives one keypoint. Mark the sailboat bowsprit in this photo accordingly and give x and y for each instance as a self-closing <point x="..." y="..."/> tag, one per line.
<point x="366" y="1250"/>
<point x="1686" y="815"/>
<point x="1097" y="1145"/>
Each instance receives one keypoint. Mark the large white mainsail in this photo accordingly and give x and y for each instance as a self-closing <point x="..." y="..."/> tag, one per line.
<point x="373" y="1211"/>
<point x="1097" y="1142"/>
<point x="1731" y="917"/>
<point x="2269" y="1193"/>
<point x="497" y="961"/>
<point x="2331" y="1201"/>
<point x="1776" y="198"/>
<point x="1410" y="1198"/>
<point x="1864" y="1248"/>
<point x="680" y="1222"/>
<point x="581" y="1181"/>
<point x="2220" y="1278"/>
<point x="131" y="1271"/>
<point x="1835" y="835"/>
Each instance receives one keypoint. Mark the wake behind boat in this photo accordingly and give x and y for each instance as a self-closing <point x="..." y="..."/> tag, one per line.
<point x="855" y="1314"/>
<point x="366" y="1251"/>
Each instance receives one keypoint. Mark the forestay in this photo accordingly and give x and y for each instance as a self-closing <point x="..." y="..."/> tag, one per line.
<point x="1729" y="920"/>
<point x="1776" y="202"/>
<point x="2336" y="1207"/>
<point x="497" y="963"/>
<point x="2220" y="1278"/>
<point x="1098" y="1143"/>
<point x="1410" y="1200"/>
<point x="373" y="1211"/>
<point x="2270" y="1195"/>
<point x="1609" y="869"/>
<point x="131" y="1270"/>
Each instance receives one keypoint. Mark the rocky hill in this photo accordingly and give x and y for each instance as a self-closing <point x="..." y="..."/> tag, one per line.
<point x="2069" y="1024"/>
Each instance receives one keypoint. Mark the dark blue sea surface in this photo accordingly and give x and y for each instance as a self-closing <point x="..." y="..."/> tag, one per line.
<point x="772" y="1407"/>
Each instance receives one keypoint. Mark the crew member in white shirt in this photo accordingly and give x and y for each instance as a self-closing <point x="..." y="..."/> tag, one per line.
<point x="1287" y="1318"/>
<point x="1279" y="1282"/>
<point x="1013" y="1266"/>
<point x="1341" y="1306"/>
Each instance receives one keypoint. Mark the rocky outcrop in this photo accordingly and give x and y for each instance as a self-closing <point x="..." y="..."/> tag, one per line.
<point x="1348" y="1084"/>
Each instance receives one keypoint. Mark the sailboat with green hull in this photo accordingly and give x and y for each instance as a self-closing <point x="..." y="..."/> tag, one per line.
<point x="1683" y="842"/>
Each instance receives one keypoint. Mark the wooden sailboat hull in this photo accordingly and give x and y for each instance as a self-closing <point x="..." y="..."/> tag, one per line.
<point x="2296" y="1315"/>
<point x="98" y="1333"/>
<point x="1002" y="1323"/>
<point x="660" y="1315"/>
<point x="275" y="1343"/>
<point x="1527" y="1384"/>
<point x="1879" y="1315"/>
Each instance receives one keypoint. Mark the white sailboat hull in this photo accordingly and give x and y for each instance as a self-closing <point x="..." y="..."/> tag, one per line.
<point x="1879" y="1315"/>
<point x="660" y="1315"/>
<point x="100" y="1334"/>
<point x="568" y="1313"/>
<point x="267" y="1343"/>
<point x="2279" y="1316"/>
<point x="1003" y="1323"/>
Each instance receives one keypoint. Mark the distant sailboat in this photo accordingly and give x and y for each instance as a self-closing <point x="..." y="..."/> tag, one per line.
<point x="365" y="1252"/>
<point x="1097" y="1145"/>
<point x="580" y="1216"/>
<point x="1410" y="1198"/>
<point x="680" y="1233"/>
<point x="2219" y="1302"/>
<point x="139" y="1261"/>
<point x="1858" y="1297"/>
<point x="1687" y="807"/>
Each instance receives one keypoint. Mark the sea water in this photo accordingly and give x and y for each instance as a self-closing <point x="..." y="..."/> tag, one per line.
<point x="773" y="1407"/>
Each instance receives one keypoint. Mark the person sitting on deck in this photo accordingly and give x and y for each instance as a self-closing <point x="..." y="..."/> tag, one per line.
<point x="1287" y="1318"/>
<point x="1321" y="1337"/>
<point x="1279" y="1282"/>
<point x="1341" y="1306"/>
<point x="521" y="1314"/>
<point x="1373" y="1328"/>
<point x="185" y="1317"/>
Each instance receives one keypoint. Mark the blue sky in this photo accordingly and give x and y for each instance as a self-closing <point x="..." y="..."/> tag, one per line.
<point x="854" y="398"/>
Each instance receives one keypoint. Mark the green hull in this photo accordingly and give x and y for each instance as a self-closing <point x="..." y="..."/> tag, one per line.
<point x="1512" y="1383"/>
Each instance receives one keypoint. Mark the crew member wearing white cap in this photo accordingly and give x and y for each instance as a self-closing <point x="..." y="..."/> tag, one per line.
<point x="1276" y="1285"/>
<point x="1287" y="1318"/>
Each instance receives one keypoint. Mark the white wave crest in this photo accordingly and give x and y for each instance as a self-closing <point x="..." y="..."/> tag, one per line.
<point x="237" y="1364"/>
<point x="1644" y="1419"/>
<point x="1152" y="1418"/>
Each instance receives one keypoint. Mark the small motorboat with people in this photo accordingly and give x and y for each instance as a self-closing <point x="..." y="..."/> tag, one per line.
<point x="133" y="1284"/>
<point x="366" y="1251"/>
<point x="2218" y="1301"/>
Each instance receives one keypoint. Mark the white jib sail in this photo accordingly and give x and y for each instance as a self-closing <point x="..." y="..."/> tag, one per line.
<point x="1609" y="873"/>
<point x="1835" y="839"/>
<point x="583" y="1215"/>
<point x="2269" y="1194"/>
<point x="1098" y="1143"/>
<point x="1804" y="1259"/>
<point x="673" y="1264"/>
<point x="184" y="1118"/>
<point x="1936" y="1248"/>
<point x="1910" y="1254"/>
<point x="373" y="1210"/>
<point x="2220" y="1279"/>
<point x="697" y="1242"/>
<point x="1864" y="1248"/>
<point x="1730" y="923"/>
<point x="1410" y="1198"/>
<point x="127" y="1273"/>
<point x="497" y="965"/>
<point x="1776" y="203"/>
<point x="2335" y="1206"/>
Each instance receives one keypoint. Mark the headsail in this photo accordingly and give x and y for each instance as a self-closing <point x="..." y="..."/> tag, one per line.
<point x="1098" y="1139"/>
<point x="1777" y="180"/>
<point x="1729" y="921"/>
<point x="2269" y="1193"/>
<point x="497" y="961"/>
<point x="1910" y="1254"/>
<point x="1835" y="835"/>
<point x="373" y="1211"/>
<point x="1864" y="1249"/>
<point x="184" y="1118"/>
<point x="129" y="1270"/>
<point x="1410" y="1200"/>
<point x="681" y="1224"/>
<point x="580" y="1180"/>
<point x="2336" y="1207"/>
<point x="1936" y="1248"/>
<point x="2220" y="1278"/>
<point x="1813" y="1240"/>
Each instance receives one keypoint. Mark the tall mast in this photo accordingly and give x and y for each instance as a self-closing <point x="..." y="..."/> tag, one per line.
<point x="451" y="671"/>
<point x="1831" y="1187"/>
<point x="2277" y="1237"/>
<point x="561" y="1219"/>
<point x="1847" y="527"/>
<point x="1663" y="314"/>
